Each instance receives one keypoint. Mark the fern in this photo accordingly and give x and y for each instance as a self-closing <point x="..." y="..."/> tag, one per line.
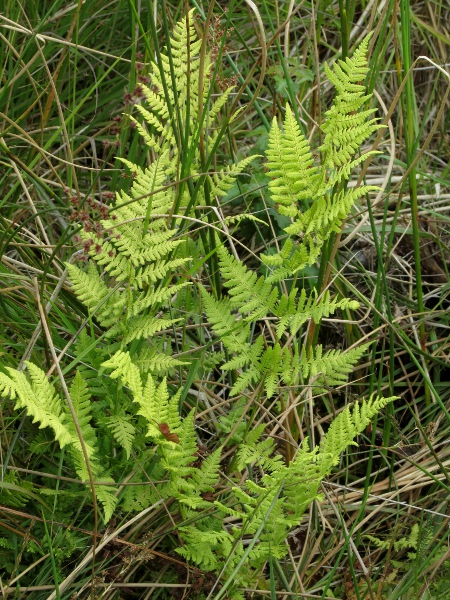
<point x="122" y="430"/>
<point x="345" y="128"/>
<point x="39" y="399"/>
<point x="276" y="363"/>
<point x="137" y="246"/>
<point x="248" y="292"/>
<point x="295" y="177"/>
<point x="144" y="282"/>
<point x="293" y="312"/>
<point x="291" y="166"/>
<point x="346" y="426"/>
<point x="286" y="491"/>
<point x="45" y="406"/>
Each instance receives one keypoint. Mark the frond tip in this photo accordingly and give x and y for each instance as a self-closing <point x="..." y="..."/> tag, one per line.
<point x="308" y="192"/>
<point x="348" y="425"/>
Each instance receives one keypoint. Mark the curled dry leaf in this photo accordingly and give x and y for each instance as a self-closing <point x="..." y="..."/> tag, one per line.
<point x="170" y="437"/>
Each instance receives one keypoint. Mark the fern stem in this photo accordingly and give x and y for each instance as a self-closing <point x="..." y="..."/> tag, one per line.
<point x="326" y="264"/>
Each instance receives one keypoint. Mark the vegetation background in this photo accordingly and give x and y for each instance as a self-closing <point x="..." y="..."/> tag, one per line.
<point x="70" y="77"/>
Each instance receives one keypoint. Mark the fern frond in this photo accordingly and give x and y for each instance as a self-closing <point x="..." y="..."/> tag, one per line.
<point x="345" y="128"/>
<point x="291" y="165"/>
<point x="145" y="326"/>
<point x="234" y="334"/>
<point x="248" y="293"/>
<point x="88" y="286"/>
<point x="156" y="360"/>
<point x="253" y="450"/>
<point x="246" y="379"/>
<point x="215" y="108"/>
<point x="81" y="401"/>
<point x="178" y="457"/>
<point x="155" y="296"/>
<point x="293" y="312"/>
<point x="293" y="257"/>
<point x="122" y="430"/>
<point x="206" y="477"/>
<point x="127" y="371"/>
<point x="157" y="271"/>
<point x="275" y="364"/>
<point x="156" y="408"/>
<point x="222" y="182"/>
<point x="302" y="480"/>
<point x="139" y="497"/>
<point x="39" y="399"/>
<point x="328" y="212"/>
<point x="346" y="427"/>
<point x="107" y="304"/>
<point x="107" y="498"/>
<point x="333" y="366"/>
<point x="202" y="545"/>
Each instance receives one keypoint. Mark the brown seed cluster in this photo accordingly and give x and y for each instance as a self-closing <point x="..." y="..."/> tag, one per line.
<point x="217" y="36"/>
<point x="89" y="214"/>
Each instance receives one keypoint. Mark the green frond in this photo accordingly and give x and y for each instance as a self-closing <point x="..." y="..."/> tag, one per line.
<point x="90" y="289"/>
<point x="122" y="430"/>
<point x="146" y="190"/>
<point x="141" y="250"/>
<point x="291" y="166"/>
<point x="302" y="480"/>
<point x="150" y="140"/>
<point x="275" y="365"/>
<point x="156" y="407"/>
<point x="124" y="256"/>
<point x="233" y="333"/>
<point x="293" y="312"/>
<point x="253" y="450"/>
<point x="328" y="212"/>
<point x="236" y="219"/>
<point x="81" y="401"/>
<point x="345" y="127"/>
<point x="248" y="293"/>
<point x="207" y="476"/>
<point x="177" y="458"/>
<point x="295" y="177"/>
<point x="293" y="257"/>
<point x="39" y="399"/>
<point x="215" y="108"/>
<point x="347" y="426"/>
<point x="281" y="187"/>
<point x="154" y="272"/>
<point x="246" y="379"/>
<point x="250" y="355"/>
<point x="185" y="46"/>
<point x="88" y="286"/>
<point x="332" y="366"/>
<point x="154" y="360"/>
<point x="108" y="499"/>
<point x="145" y="326"/>
<point x="222" y="182"/>
<point x="154" y="296"/>
<point x="157" y="105"/>
<point x="44" y="406"/>
<point x="201" y="546"/>
<point x="127" y="371"/>
<point x="135" y="498"/>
